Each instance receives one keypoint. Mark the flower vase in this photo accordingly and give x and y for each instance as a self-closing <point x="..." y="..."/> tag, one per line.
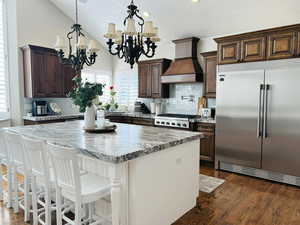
<point x="89" y="118"/>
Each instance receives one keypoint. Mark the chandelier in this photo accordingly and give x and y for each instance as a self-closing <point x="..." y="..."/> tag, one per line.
<point x="79" y="52"/>
<point x="132" y="43"/>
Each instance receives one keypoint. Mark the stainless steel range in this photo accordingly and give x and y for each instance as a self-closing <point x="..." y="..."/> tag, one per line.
<point x="175" y="120"/>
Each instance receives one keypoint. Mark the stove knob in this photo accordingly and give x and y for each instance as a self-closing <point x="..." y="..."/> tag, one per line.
<point x="184" y="125"/>
<point x="178" y="124"/>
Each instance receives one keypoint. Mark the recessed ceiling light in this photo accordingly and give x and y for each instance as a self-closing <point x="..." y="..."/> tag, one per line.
<point x="146" y="14"/>
<point x="195" y="1"/>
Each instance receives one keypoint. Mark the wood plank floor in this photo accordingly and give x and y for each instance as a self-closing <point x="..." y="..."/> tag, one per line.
<point x="244" y="200"/>
<point x="241" y="200"/>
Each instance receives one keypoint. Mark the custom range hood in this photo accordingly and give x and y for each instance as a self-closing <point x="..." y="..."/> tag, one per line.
<point x="185" y="68"/>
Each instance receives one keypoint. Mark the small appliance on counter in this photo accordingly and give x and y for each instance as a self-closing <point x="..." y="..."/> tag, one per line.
<point x="39" y="108"/>
<point x="206" y="112"/>
<point x="141" y="107"/>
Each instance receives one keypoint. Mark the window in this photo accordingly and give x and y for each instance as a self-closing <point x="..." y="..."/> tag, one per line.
<point x="126" y="85"/>
<point x="3" y="66"/>
<point x="95" y="76"/>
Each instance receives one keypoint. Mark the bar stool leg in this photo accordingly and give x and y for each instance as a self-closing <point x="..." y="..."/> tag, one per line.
<point x="1" y="182"/>
<point x="48" y="205"/>
<point x="9" y="186"/>
<point x="16" y="190"/>
<point x="26" y="199"/>
<point x="78" y="212"/>
<point x="34" y="201"/>
<point x="58" y="202"/>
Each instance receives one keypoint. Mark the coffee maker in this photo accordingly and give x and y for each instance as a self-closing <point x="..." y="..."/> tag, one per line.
<point x="39" y="108"/>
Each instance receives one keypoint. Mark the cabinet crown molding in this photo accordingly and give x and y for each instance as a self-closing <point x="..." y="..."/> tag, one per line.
<point x="294" y="27"/>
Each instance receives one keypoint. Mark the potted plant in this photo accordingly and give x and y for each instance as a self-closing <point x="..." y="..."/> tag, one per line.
<point x="83" y="95"/>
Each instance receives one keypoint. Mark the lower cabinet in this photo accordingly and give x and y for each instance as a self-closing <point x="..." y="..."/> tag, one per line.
<point x="131" y="120"/>
<point x="207" y="143"/>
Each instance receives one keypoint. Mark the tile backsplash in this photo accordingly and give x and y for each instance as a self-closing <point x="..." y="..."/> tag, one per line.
<point x="66" y="105"/>
<point x="183" y="99"/>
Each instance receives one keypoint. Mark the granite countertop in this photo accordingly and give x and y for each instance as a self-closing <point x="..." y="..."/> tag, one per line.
<point x="128" y="142"/>
<point x="52" y="117"/>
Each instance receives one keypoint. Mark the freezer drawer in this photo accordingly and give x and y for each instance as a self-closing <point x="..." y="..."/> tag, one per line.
<point x="281" y="147"/>
<point x="238" y="109"/>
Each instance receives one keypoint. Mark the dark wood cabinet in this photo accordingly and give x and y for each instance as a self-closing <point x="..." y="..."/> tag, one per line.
<point x="270" y="44"/>
<point x="298" y="44"/>
<point x="210" y="73"/>
<point x="229" y="52"/>
<point x="68" y="74"/>
<point x="131" y="120"/>
<point x="44" y="75"/>
<point x="281" y="45"/>
<point x="150" y="72"/>
<point x="253" y="49"/>
<point x="207" y="143"/>
<point x="144" y="84"/>
<point x="52" y="76"/>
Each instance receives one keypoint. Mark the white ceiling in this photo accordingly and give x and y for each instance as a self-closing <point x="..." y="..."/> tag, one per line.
<point x="182" y="18"/>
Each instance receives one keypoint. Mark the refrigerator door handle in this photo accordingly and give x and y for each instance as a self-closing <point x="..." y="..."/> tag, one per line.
<point x="259" y="119"/>
<point x="265" y="125"/>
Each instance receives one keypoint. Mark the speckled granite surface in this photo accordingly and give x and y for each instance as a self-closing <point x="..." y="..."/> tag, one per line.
<point x="53" y="117"/>
<point x="128" y="142"/>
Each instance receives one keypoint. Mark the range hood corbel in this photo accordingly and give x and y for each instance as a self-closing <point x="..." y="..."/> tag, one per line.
<point x="185" y="68"/>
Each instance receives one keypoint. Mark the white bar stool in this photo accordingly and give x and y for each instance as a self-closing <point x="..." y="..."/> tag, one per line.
<point x="18" y="165"/>
<point x="81" y="190"/>
<point x="5" y="160"/>
<point x="41" y="177"/>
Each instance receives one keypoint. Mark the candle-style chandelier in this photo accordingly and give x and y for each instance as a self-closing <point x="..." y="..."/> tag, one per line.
<point x="79" y="52"/>
<point x="131" y="44"/>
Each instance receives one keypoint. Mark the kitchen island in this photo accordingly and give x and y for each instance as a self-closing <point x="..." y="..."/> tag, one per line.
<point x="154" y="171"/>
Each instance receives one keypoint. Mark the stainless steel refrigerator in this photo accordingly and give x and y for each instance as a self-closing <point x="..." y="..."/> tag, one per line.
<point x="258" y="115"/>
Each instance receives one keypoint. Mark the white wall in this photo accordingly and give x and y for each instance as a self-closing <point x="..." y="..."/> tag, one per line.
<point x="38" y="22"/>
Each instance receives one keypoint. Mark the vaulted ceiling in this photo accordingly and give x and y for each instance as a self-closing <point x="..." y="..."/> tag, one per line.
<point x="183" y="18"/>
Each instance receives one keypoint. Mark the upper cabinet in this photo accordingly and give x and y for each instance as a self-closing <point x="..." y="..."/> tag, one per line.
<point x="281" y="45"/>
<point x="276" y="43"/>
<point x="253" y="49"/>
<point x="149" y="75"/>
<point x="44" y="75"/>
<point x="210" y="72"/>
<point x="229" y="52"/>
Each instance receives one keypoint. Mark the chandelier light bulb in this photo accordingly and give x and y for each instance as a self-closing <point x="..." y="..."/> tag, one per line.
<point x="131" y="29"/>
<point x="119" y="34"/>
<point x="149" y="29"/>
<point x="93" y="47"/>
<point x="82" y="42"/>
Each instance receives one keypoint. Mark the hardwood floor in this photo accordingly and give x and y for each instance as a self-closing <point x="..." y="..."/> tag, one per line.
<point x="241" y="200"/>
<point x="244" y="200"/>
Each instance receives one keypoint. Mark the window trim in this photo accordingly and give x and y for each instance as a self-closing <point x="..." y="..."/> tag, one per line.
<point x="6" y="58"/>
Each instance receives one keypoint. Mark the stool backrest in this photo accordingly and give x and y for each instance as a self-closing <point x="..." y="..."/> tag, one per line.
<point x="66" y="167"/>
<point x="36" y="153"/>
<point x="15" y="149"/>
<point x="3" y="148"/>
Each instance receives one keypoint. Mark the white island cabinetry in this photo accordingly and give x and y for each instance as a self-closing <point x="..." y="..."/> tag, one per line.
<point x="154" y="171"/>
